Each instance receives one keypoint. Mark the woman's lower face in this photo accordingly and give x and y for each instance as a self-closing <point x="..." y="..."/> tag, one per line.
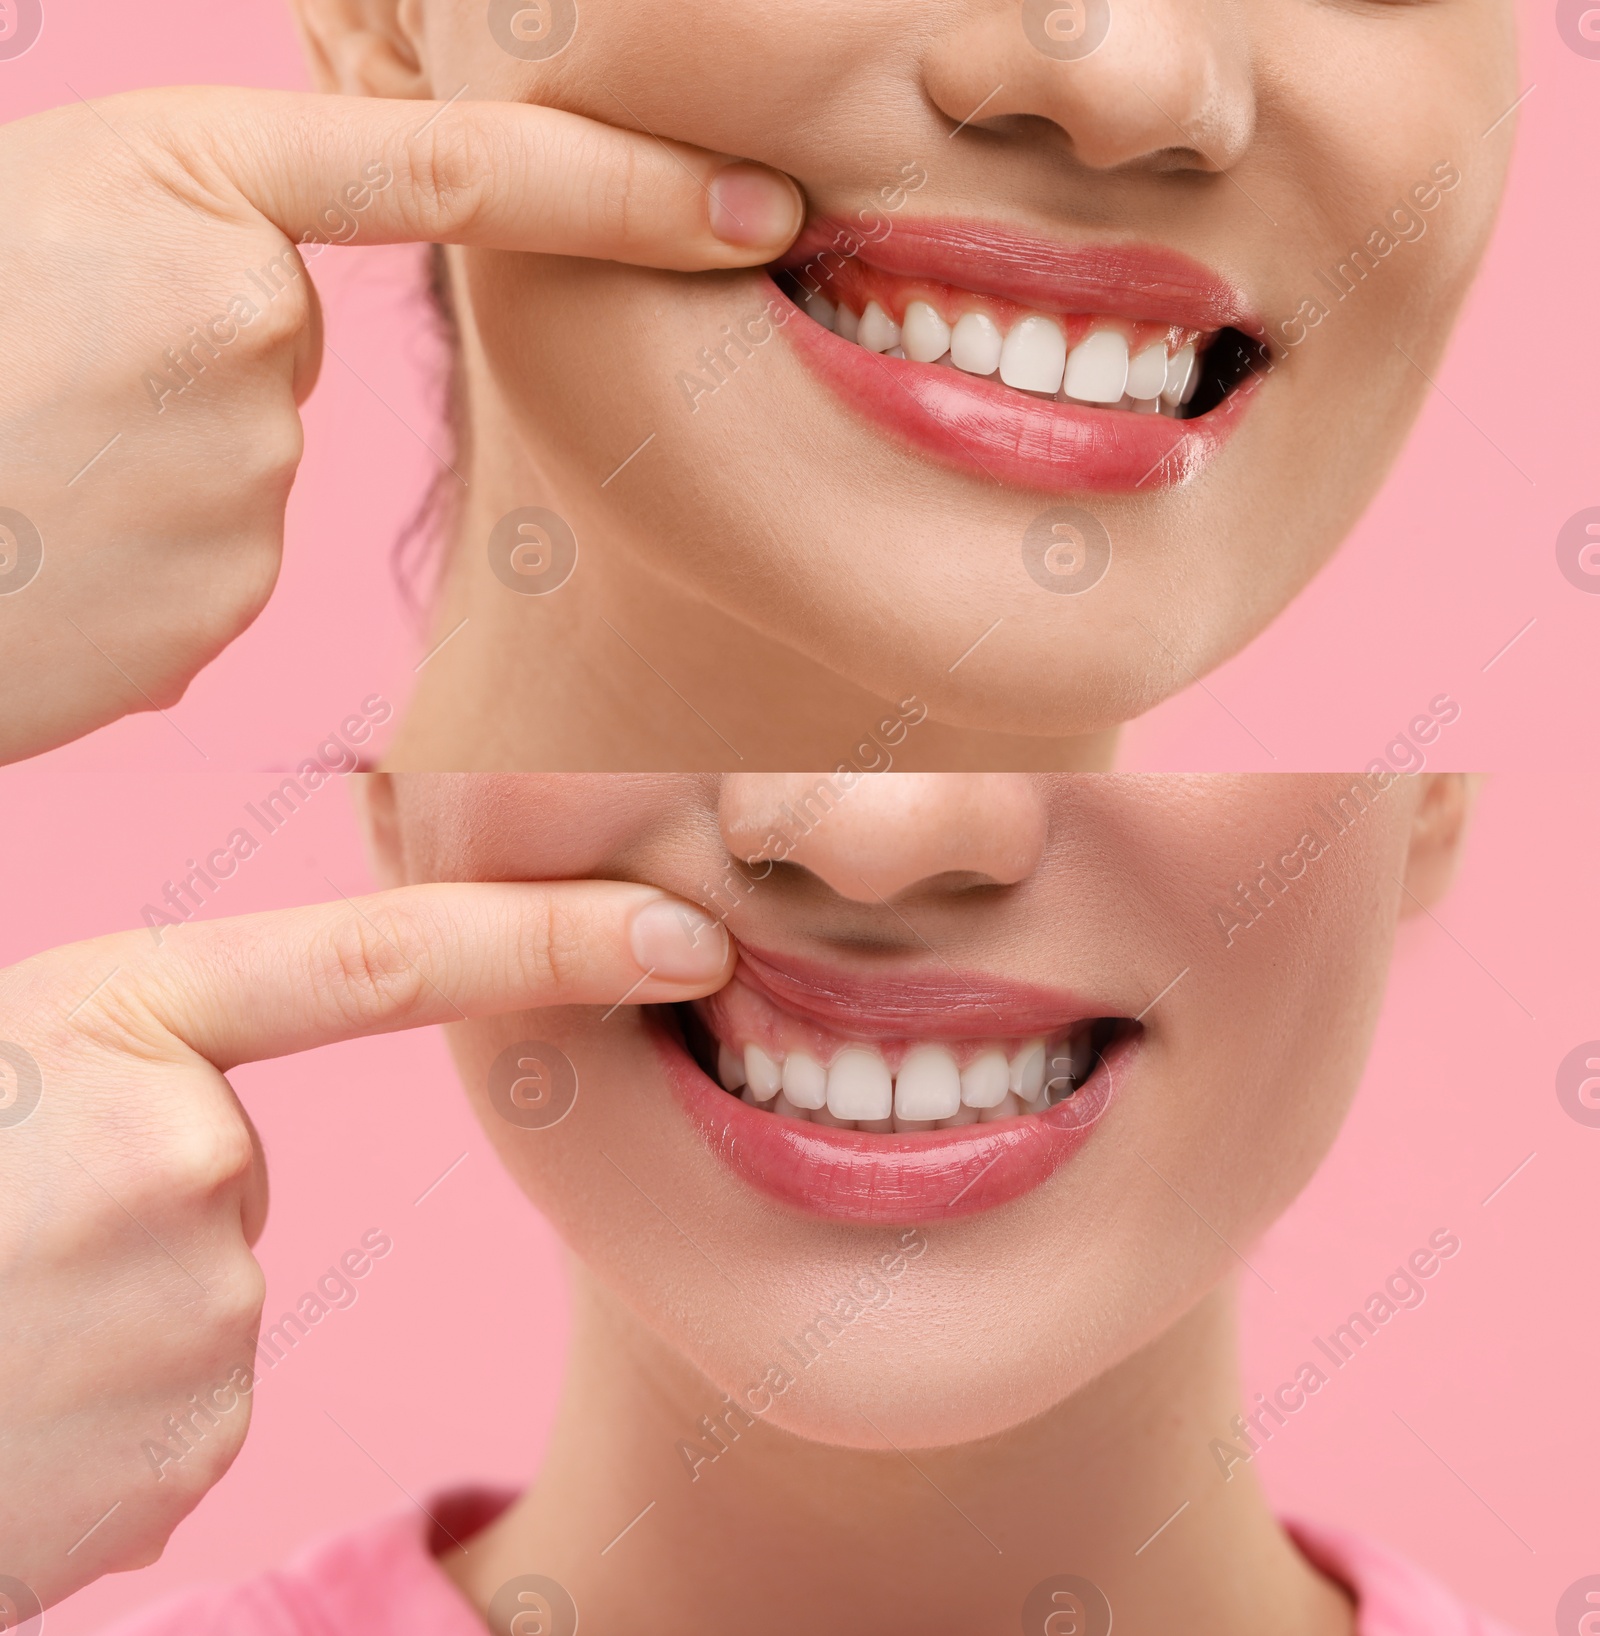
<point x="1294" y="197"/>
<point x="1011" y="1060"/>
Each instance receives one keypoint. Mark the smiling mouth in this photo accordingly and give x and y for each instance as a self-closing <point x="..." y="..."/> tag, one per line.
<point x="1088" y="360"/>
<point x="1020" y="360"/>
<point x="796" y="1069"/>
<point x="897" y="1095"/>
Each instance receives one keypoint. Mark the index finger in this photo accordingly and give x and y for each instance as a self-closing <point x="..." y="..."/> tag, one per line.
<point x="266" y="985"/>
<point x="501" y="175"/>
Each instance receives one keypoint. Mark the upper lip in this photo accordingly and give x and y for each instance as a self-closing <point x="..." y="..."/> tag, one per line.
<point x="908" y="1002"/>
<point x="1138" y="281"/>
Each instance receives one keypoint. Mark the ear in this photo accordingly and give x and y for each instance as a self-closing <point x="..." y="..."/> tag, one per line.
<point x="1438" y="828"/>
<point x="364" y="48"/>
<point x="373" y="794"/>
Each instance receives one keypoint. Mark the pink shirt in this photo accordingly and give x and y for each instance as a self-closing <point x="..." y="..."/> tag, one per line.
<point x="382" y="1580"/>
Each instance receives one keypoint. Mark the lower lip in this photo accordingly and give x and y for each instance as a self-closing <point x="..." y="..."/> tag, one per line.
<point x="845" y="1175"/>
<point x="992" y="430"/>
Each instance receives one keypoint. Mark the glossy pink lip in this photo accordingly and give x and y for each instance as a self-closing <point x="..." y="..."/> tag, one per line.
<point x="926" y="1004"/>
<point x="852" y="1176"/>
<point x="983" y="427"/>
<point x="1119" y="280"/>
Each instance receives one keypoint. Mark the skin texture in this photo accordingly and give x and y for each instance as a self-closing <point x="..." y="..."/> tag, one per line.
<point x="1060" y="1363"/>
<point x="162" y="316"/>
<point x="774" y="537"/>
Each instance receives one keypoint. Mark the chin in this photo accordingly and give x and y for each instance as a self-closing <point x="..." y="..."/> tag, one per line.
<point x="831" y="1414"/>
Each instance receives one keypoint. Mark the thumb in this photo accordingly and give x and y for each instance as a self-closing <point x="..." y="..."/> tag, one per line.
<point x="500" y="175"/>
<point x="267" y="985"/>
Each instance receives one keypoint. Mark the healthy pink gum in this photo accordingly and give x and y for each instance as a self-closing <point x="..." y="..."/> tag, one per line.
<point x="737" y="1016"/>
<point x="855" y="284"/>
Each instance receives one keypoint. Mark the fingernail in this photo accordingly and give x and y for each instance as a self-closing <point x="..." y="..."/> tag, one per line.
<point x="676" y="943"/>
<point x="754" y="206"/>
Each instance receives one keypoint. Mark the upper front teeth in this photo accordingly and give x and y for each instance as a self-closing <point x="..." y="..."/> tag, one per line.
<point x="1032" y="356"/>
<point x="985" y="1080"/>
<point x="929" y="1088"/>
<point x="1097" y="371"/>
<point x="928" y="1085"/>
<point x="859" y="1086"/>
<point x="1147" y="373"/>
<point x="976" y="344"/>
<point x="1035" y="355"/>
<point x="877" y="331"/>
<point x="925" y="335"/>
<point x="805" y="1080"/>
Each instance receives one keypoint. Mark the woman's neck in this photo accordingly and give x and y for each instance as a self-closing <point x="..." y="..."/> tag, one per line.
<point x="1117" y="1485"/>
<point x="623" y="670"/>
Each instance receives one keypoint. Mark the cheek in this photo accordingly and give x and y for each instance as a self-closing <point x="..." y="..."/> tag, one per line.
<point x="1267" y="1049"/>
<point x="527" y="826"/>
<point x="593" y="358"/>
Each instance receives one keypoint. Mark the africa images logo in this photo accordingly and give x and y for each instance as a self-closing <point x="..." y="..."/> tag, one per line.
<point x="21" y="22"/>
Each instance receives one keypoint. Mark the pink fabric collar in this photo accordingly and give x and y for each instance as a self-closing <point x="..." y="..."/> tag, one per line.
<point x="383" y="1580"/>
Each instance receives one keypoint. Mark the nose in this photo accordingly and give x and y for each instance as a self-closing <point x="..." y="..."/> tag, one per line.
<point x="1166" y="84"/>
<point x="886" y="833"/>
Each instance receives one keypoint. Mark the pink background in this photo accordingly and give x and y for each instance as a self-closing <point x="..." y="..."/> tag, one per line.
<point x="1449" y="565"/>
<point x="447" y="1365"/>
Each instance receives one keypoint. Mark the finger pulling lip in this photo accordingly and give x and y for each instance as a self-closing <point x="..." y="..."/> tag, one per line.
<point x="872" y="1179"/>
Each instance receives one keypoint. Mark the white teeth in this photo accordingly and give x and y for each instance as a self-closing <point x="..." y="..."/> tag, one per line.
<point x="1027" y="1071"/>
<point x="1034" y="355"/>
<point x="878" y="331"/>
<point x="925" y="335"/>
<point x="1147" y="374"/>
<point x="765" y="1077"/>
<point x="975" y="344"/>
<point x="730" y="1069"/>
<point x="805" y="1081"/>
<point x="985" y="1080"/>
<point x="859" y="1086"/>
<point x="1181" y="377"/>
<point x="1031" y="357"/>
<point x="1097" y="371"/>
<point x="928" y="1086"/>
<point x="818" y="306"/>
<point x="929" y="1089"/>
